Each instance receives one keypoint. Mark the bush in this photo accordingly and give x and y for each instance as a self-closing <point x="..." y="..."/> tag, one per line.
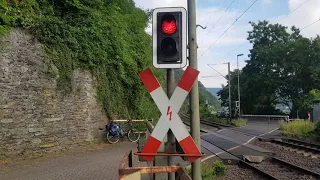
<point x="219" y="168"/>
<point x="211" y="172"/>
<point x="239" y="122"/>
<point x="298" y="129"/>
<point x="318" y="125"/>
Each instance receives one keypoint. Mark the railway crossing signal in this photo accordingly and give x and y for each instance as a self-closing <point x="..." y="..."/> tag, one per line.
<point x="169" y="118"/>
<point x="169" y="37"/>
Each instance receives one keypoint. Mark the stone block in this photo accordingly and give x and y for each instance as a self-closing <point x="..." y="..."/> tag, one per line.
<point x="48" y="145"/>
<point x="36" y="141"/>
<point x="52" y="119"/>
<point x="6" y="121"/>
<point x="33" y="130"/>
<point x="33" y="114"/>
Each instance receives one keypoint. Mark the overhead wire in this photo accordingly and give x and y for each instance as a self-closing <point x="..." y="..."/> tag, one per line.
<point x="294" y="10"/>
<point x="216" y="71"/>
<point x="310" y="25"/>
<point x="228" y="28"/>
<point x="246" y="42"/>
<point x="233" y="50"/>
<point x="220" y="16"/>
<point x="227" y="54"/>
<point x="209" y="76"/>
<point x="218" y="19"/>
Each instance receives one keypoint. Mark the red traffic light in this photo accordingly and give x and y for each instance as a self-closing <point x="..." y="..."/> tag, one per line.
<point x="169" y="26"/>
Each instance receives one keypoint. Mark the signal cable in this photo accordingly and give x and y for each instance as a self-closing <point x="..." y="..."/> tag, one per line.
<point x="228" y="28"/>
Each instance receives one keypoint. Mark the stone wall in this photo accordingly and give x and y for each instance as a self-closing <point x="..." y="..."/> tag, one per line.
<point x="34" y="116"/>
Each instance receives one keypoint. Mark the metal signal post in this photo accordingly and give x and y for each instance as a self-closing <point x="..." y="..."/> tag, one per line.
<point x="194" y="95"/>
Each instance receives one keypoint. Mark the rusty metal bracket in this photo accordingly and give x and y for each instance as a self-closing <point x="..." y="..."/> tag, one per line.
<point x="168" y="154"/>
<point x="127" y="172"/>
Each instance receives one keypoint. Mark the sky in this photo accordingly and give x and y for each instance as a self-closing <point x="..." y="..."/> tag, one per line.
<point x="214" y="52"/>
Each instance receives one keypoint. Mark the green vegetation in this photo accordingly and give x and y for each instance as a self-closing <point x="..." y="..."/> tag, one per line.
<point x="209" y="104"/>
<point x="298" y="129"/>
<point x="283" y="67"/>
<point x="100" y="36"/>
<point x="106" y="37"/>
<point x="213" y="171"/>
<point x="206" y="113"/>
<point x="222" y="120"/>
<point x="239" y="122"/>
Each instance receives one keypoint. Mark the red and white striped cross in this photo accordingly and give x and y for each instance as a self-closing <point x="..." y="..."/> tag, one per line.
<point x="169" y="118"/>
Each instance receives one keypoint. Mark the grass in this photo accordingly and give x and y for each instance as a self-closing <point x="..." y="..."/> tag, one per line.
<point x="221" y="121"/>
<point x="298" y="129"/>
<point x="239" y="122"/>
<point x="211" y="171"/>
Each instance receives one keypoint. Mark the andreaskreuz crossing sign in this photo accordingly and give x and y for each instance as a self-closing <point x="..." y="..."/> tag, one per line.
<point x="169" y="118"/>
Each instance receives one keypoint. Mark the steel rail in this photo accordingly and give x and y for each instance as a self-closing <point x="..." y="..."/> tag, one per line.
<point x="303" y="143"/>
<point x="298" y="168"/>
<point x="259" y="171"/>
<point x="304" y="147"/>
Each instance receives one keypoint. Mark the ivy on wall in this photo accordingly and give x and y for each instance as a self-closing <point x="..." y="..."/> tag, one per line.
<point x="106" y="37"/>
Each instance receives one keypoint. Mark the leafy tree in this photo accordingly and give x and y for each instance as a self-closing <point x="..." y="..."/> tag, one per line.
<point x="283" y="68"/>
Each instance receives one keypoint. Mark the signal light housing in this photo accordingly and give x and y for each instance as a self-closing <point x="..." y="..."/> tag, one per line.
<point x="169" y="37"/>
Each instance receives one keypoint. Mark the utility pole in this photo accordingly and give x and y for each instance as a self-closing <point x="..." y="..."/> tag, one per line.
<point x="239" y="84"/>
<point x="229" y="80"/>
<point x="194" y="94"/>
<point x="170" y="146"/>
<point x="229" y="84"/>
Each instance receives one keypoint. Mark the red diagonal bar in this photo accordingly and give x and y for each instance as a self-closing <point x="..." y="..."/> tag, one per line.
<point x="151" y="146"/>
<point x="188" y="78"/>
<point x="149" y="80"/>
<point x="189" y="147"/>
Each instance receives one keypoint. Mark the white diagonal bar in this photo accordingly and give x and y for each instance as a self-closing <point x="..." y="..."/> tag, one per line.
<point x="176" y="125"/>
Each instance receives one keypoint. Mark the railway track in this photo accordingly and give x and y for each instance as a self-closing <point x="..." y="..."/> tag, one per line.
<point x="209" y="123"/>
<point x="298" y="145"/>
<point x="274" y="168"/>
<point x="186" y="123"/>
<point x="217" y="125"/>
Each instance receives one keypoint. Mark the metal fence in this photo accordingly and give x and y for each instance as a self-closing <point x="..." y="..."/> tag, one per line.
<point x="264" y="118"/>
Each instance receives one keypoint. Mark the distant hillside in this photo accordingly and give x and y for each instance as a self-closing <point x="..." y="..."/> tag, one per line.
<point x="204" y="95"/>
<point x="214" y="91"/>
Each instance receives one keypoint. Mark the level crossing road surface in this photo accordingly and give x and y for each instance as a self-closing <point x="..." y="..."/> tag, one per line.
<point x="251" y="130"/>
<point x="100" y="164"/>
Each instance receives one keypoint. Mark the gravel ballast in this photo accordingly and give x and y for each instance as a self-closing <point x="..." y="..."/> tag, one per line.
<point x="236" y="172"/>
<point x="290" y="156"/>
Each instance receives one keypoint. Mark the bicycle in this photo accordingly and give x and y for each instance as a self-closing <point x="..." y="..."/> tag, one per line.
<point x="115" y="132"/>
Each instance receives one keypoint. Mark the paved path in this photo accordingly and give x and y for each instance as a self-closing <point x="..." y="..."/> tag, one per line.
<point x="252" y="129"/>
<point x="101" y="164"/>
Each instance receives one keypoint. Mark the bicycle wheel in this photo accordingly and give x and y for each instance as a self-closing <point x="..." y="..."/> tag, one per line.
<point x="113" y="139"/>
<point x="133" y="135"/>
